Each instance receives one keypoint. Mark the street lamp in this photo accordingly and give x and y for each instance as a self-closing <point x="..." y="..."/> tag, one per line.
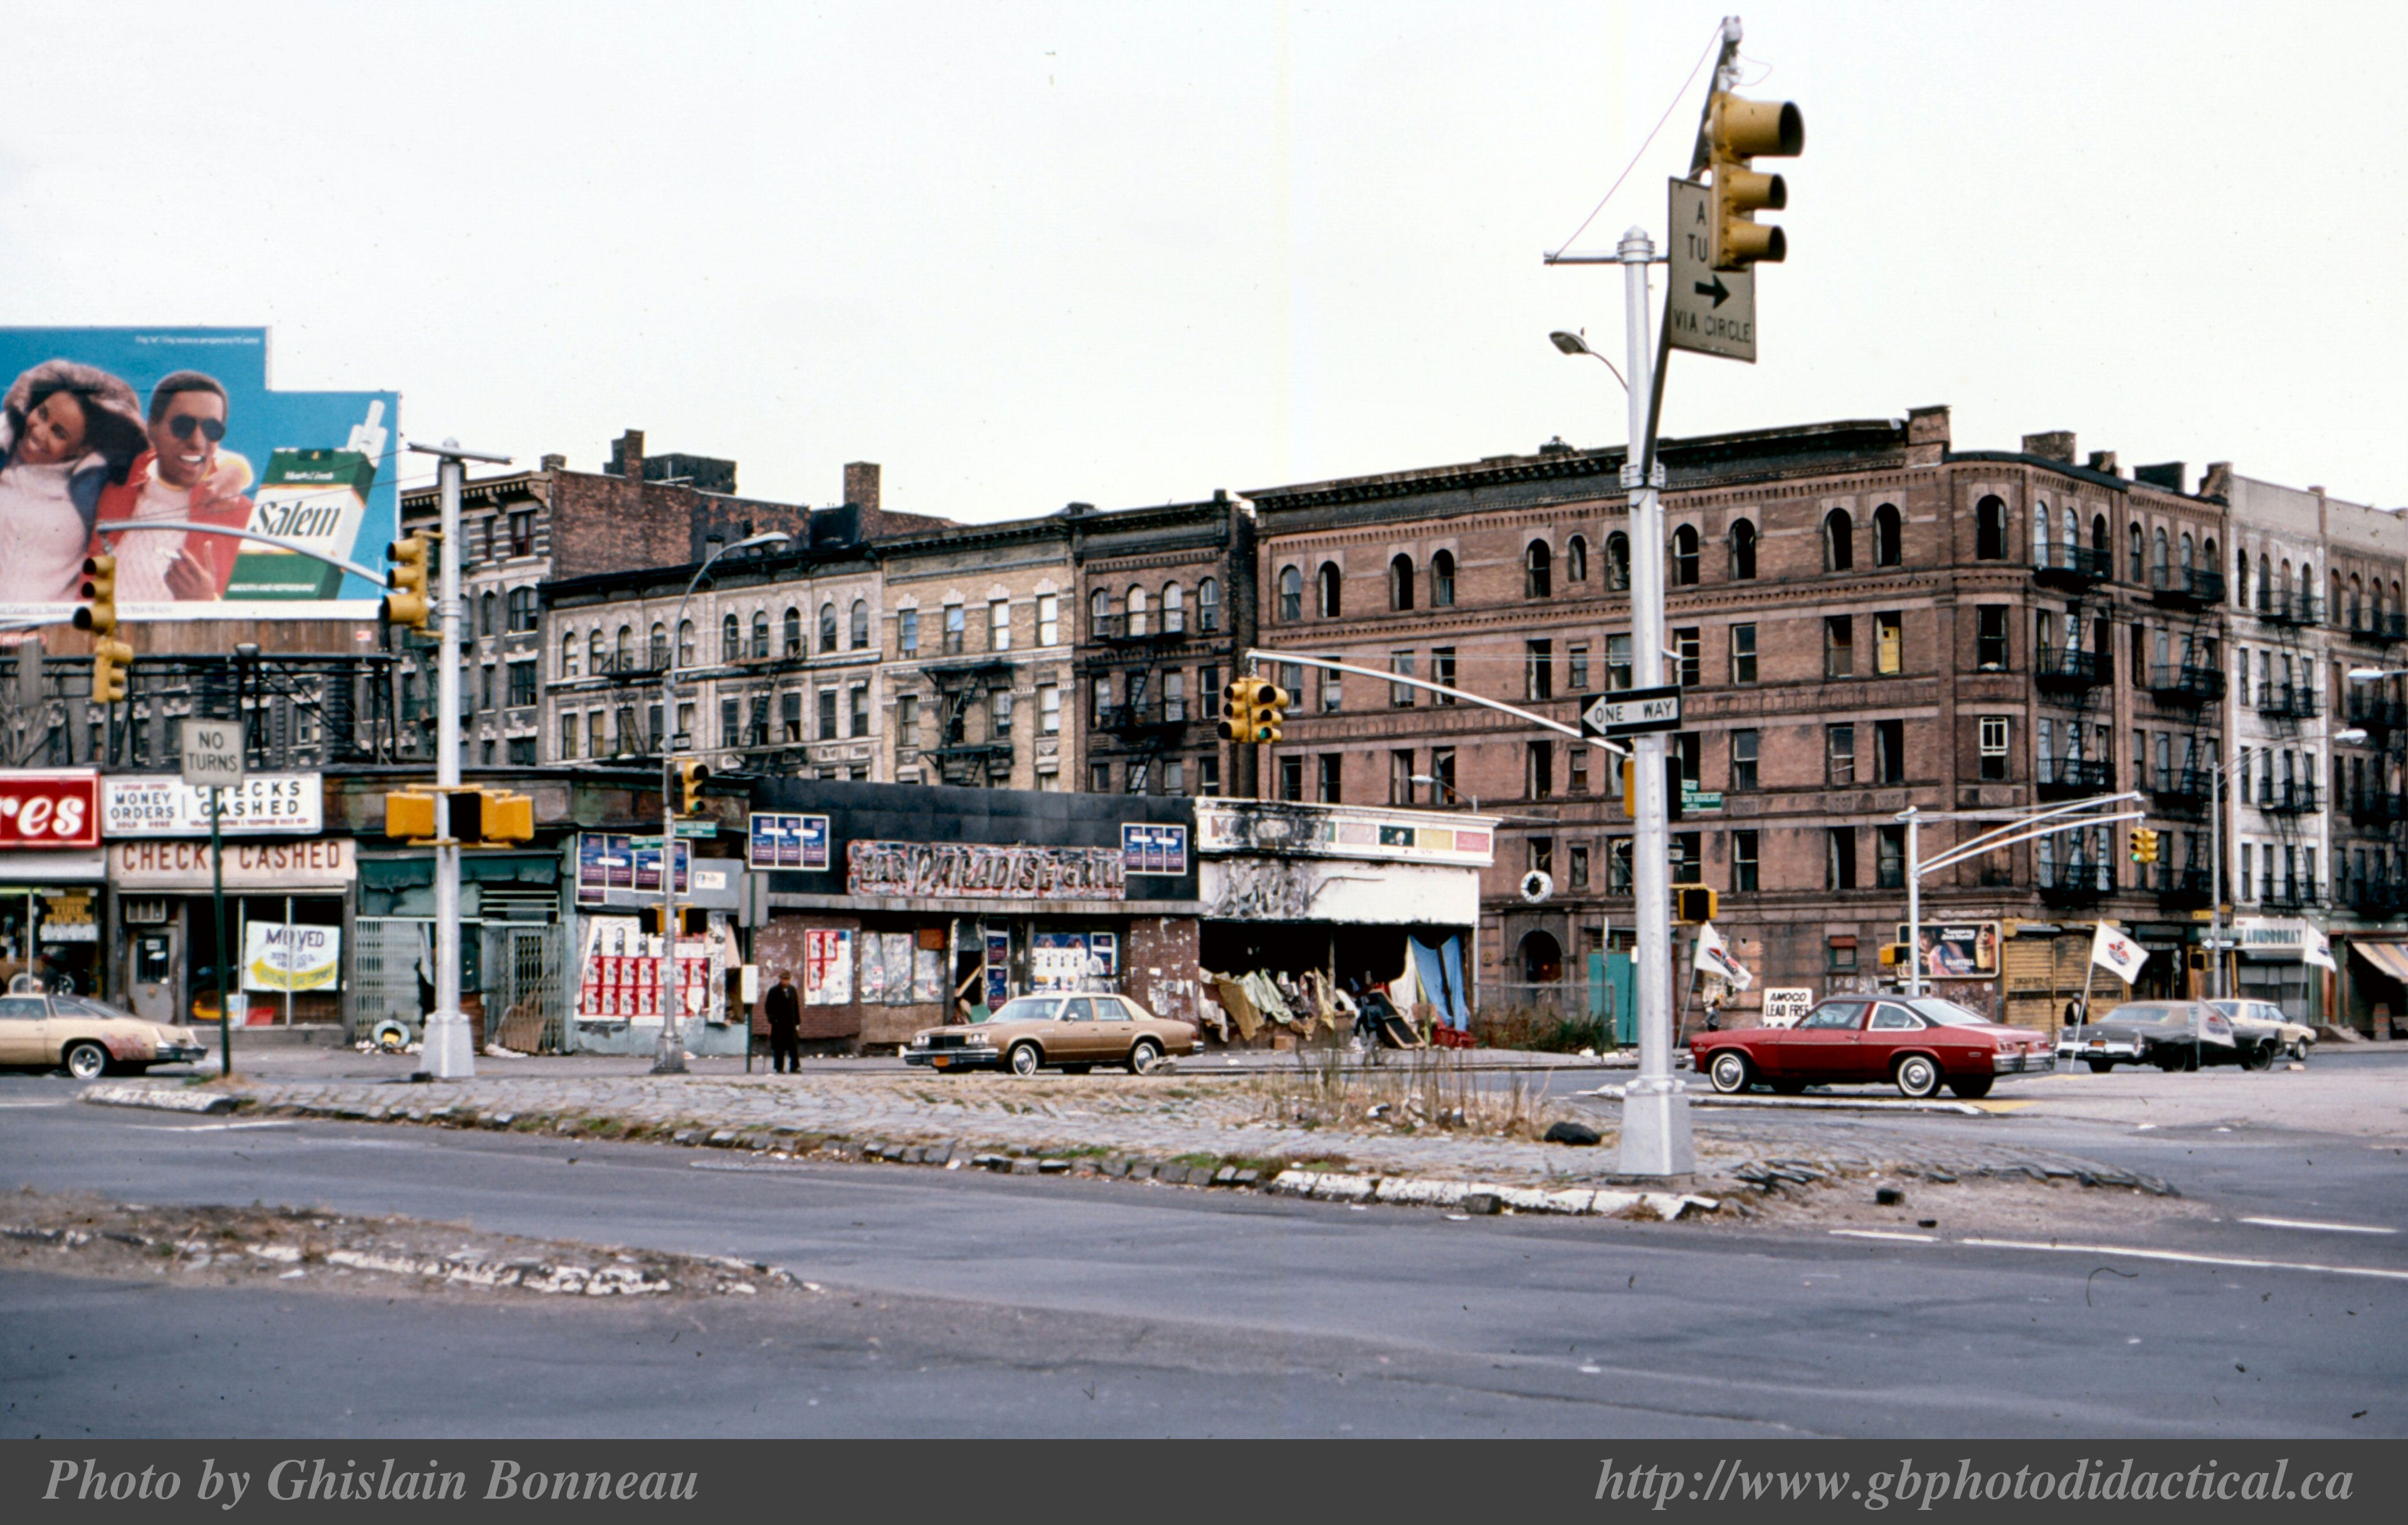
<point x="672" y="1059"/>
<point x="1574" y="344"/>
<point x="1438" y="782"/>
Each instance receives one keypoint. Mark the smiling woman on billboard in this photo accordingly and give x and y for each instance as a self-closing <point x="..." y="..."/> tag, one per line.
<point x="68" y="433"/>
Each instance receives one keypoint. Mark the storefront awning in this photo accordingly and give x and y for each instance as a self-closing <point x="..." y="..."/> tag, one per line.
<point x="475" y="869"/>
<point x="2390" y="960"/>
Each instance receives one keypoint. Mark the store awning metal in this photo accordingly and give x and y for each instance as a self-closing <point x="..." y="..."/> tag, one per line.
<point x="475" y="869"/>
<point x="2390" y="960"/>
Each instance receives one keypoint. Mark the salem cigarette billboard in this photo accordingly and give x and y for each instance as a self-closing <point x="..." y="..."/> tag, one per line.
<point x="100" y="427"/>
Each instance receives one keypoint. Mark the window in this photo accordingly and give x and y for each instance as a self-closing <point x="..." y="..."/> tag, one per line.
<point x="1839" y="541"/>
<point x="1839" y="646"/>
<point x="1990" y="638"/>
<point x="1049" y="619"/>
<point x="1291" y="778"/>
<point x="955" y="624"/>
<point x="1840" y="858"/>
<point x="1208" y="611"/>
<point x="568" y="653"/>
<point x="1291" y="594"/>
<point x="857" y="628"/>
<point x="1744" y="861"/>
<point x="1330" y="583"/>
<point x="1207" y="776"/>
<point x="1576" y="663"/>
<point x="1401" y="584"/>
<point x="827" y="715"/>
<point x="1743" y="745"/>
<point x="1687" y="753"/>
<point x="1539" y="670"/>
<point x="596" y="743"/>
<point x="1685" y="646"/>
<point x="1577" y="869"/>
<point x="683" y="736"/>
<point x="520" y="749"/>
<point x="1137" y="777"/>
<point x="1889" y="537"/>
<point x="660" y="645"/>
<point x="998" y="624"/>
<point x="1840" y="754"/>
<point x="1578" y="756"/>
<point x="1174" y="696"/>
<point x="1687" y="858"/>
<point x="827" y="628"/>
<point x="1208" y="688"/>
<point x="1174" y="612"/>
<point x="1442" y="671"/>
<point x="857" y="715"/>
<point x="685" y="643"/>
<point x="1442" y="580"/>
<point x="1684" y="556"/>
<point x="1538" y="769"/>
<point x="568" y="737"/>
<point x="522" y="684"/>
<point x="485" y="687"/>
<point x="522" y="617"/>
<point x="1617" y="562"/>
<point x="1442" y="776"/>
<point x="1049" y="709"/>
<point x="1617" y="866"/>
<point x="1993" y="731"/>
<point x="1099" y="615"/>
<point x="1576" y="559"/>
<point x="485" y="614"/>
<point x="999" y="715"/>
<point x="1401" y="789"/>
<point x="1100" y="704"/>
<point x="1331" y="696"/>
<point x="1400" y="695"/>
<point x="907" y="632"/>
<point x="595" y="660"/>
<point x="1539" y="853"/>
<point x="1742" y="551"/>
<point x="523" y="533"/>
<point x="1889" y="750"/>
<point x="793" y="632"/>
<point x="790" y="715"/>
<point x="1742" y="653"/>
<point x="1617" y="662"/>
<point x="1099" y="778"/>
<point x="1135" y="614"/>
<point x="1990" y="530"/>
<point x="1538" y="570"/>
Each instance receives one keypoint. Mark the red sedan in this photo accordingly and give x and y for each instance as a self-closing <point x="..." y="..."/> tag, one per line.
<point x="1916" y="1045"/>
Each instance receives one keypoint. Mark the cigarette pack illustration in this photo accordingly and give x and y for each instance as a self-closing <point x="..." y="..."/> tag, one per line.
<point x="318" y="497"/>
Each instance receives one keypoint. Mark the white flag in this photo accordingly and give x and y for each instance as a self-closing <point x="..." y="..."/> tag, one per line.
<point x="2317" y="950"/>
<point x="1712" y="958"/>
<point x="2117" y="954"/>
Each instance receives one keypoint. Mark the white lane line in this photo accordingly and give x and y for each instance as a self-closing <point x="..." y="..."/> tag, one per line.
<point x="2180" y="1257"/>
<point x="2322" y="1228"/>
<point x="1881" y="1233"/>
<point x="207" y="1128"/>
<point x="16" y="1104"/>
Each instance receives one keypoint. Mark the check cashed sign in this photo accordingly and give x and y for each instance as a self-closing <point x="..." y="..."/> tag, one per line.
<point x="49" y="808"/>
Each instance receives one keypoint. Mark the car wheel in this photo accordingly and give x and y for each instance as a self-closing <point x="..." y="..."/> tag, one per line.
<point x="1971" y="1091"/>
<point x="86" y="1061"/>
<point x="2100" y="1067"/>
<point x="1143" y="1055"/>
<point x="1024" y="1059"/>
<point x="1730" y="1073"/>
<point x="2299" y="1053"/>
<point x="1918" y="1076"/>
<point x="2259" y="1058"/>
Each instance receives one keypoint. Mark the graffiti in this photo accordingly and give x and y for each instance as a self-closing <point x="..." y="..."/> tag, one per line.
<point x="1264" y="889"/>
<point x="968" y="872"/>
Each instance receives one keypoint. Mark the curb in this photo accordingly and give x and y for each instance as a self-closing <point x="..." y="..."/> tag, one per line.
<point x="1476" y="1197"/>
<point x="1814" y="1103"/>
<point x="155" y="1100"/>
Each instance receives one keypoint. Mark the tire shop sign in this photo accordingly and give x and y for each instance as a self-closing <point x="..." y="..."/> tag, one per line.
<point x="965" y="871"/>
<point x="49" y="808"/>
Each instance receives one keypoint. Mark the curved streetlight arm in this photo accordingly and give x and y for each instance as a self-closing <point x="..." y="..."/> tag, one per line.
<point x="128" y="527"/>
<point x="1260" y="654"/>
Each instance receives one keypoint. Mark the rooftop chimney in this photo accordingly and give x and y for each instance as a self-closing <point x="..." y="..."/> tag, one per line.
<point x="861" y="485"/>
<point x="1927" y="436"/>
<point x="2165" y="474"/>
<point x="628" y="456"/>
<point x="2103" y="462"/>
<point x="2056" y="445"/>
<point x="2217" y="482"/>
<point x="556" y="463"/>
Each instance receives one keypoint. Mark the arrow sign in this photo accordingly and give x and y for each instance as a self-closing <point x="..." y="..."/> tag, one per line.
<point x="1706" y="311"/>
<point x="1719" y="291"/>
<point x="1631" y="711"/>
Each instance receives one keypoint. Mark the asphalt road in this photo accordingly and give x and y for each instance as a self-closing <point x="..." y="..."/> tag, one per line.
<point x="1057" y="1306"/>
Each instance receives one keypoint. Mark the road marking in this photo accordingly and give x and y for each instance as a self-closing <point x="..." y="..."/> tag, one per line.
<point x="2323" y="1228"/>
<point x="2183" y="1258"/>
<point x="207" y="1128"/>
<point x="1882" y="1233"/>
<point x="15" y="1104"/>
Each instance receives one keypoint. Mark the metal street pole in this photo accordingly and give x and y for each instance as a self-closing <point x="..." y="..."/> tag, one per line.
<point x="1656" y="1138"/>
<point x="2216" y="873"/>
<point x="217" y="899"/>
<point x="1914" y="902"/>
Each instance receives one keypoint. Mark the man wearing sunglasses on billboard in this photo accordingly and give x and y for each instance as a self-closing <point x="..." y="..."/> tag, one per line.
<point x="185" y="475"/>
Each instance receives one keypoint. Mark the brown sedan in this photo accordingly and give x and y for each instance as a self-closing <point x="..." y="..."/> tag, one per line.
<point x="1074" y="1033"/>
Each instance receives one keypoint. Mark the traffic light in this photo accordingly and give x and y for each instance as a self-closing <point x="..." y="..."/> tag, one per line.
<point x="1252" y="710"/>
<point x="109" y="659"/>
<point x="410" y="816"/>
<point x="99" y="612"/>
<point x="1738" y="131"/>
<point x="1894" y="954"/>
<point x="1270" y="708"/>
<point x="2145" y="845"/>
<point x="468" y="817"/>
<point x="689" y="787"/>
<point x="1693" y="903"/>
<point x="407" y="604"/>
<point x="1671" y="786"/>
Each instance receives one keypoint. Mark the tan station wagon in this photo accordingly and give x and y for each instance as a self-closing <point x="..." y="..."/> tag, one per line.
<point x="1073" y="1033"/>
<point x="90" y="1039"/>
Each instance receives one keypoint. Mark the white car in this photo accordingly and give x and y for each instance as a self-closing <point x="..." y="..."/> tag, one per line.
<point x="2264" y="1017"/>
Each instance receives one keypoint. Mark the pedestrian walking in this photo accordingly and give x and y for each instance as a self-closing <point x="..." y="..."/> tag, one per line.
<point x="783" y="1008"/>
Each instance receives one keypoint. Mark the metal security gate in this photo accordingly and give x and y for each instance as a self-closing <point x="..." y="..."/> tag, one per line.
<point x="525" y="993"/>
<point x="386" y="952"/>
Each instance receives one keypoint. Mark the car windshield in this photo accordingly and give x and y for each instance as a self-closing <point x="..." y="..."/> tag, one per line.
<point x="1028" y="1009"/>
<point x="78" y="1007"/>
<point x="1948" y="1012"/>
<point x="2147" y="1014"/>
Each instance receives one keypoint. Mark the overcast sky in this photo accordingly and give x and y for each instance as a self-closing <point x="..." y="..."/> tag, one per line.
<point x="1127" y="254"/>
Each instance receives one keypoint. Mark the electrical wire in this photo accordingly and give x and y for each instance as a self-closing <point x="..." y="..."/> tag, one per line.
<point x="1711" y="48"/>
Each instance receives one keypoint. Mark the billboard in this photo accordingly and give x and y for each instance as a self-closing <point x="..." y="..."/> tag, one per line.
<point x="91" y="438"/>
<point x="1956" y="950"/>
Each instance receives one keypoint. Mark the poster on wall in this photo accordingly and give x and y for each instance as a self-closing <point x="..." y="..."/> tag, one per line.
<point x="1148" y="848"/>
<point x="1957" y="951"/>
<point x="998" y="967"/>
<point x="102" y="427"/>
<point x="288" y="955"/>
<point x="827" y="965"/>
<point x="786" y="841"/>
<point x="611" y="860"/>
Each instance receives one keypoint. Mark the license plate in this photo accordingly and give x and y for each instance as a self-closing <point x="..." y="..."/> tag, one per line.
<point x="2099" y="1043"/>
<point x="939" y="1061"/>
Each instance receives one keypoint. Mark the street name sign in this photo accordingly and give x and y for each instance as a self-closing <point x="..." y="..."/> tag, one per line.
<point x="213" y="754"/>
<point x="1697" y="799"/>
<point x="1706" y="311"/>
<point x="1631" y="711"/>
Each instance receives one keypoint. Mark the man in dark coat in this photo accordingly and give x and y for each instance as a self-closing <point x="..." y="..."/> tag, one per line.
<point x="783" y="1010"/>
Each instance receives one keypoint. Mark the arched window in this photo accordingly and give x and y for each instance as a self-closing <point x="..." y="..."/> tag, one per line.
<point x="2187" y="551"/>
<point x="2072" y="542"/>
<point x="1135" y="609"/>
<point x="1099" y="613"/>
<point x="2265" y="581"/>
<point x="685" y="643"/>
<point x="2157" y="559"/>
<point x="1684" y="556"/>
<point x="1401" y="584"/>
<point x="1617" y="562"/>
<point x="1208" y="605"/>
<point x="594" y="657"/>
<point x="660" y="646"/>
<point x="760" y="632"/>
<point x="1990" y="530"/>
<point x="827" y="626"/>
<point x="627" y="648"/>
<point x="1840" y="542"/>
<point x="2098" y="543"/>
<point x="2357" y="597"/>
<point x="2283" y="588"/>
<point x="2137" y="543"/>
<point x="794" y="631"/>
<point x="1742" y="546"/>
<point x="1576" y="559"/>
<point x="1331" y="583"/>
<point x="2207" y="562"/>
<point x="1291" y="594"/>
<point x="2333" y="606"/>
<point x="1442" y="580"/>
<point x="859" y="633"/>
<point x="2040" y="534"/>
<point x="1889" y="537"/>
<point x="1175" y="608"/>
<point x="485" y="614"/>
<point x="731" y="639"/>
<point x="568" y="653"/>
<point x="1542" y="959"/>
<point x="1538" y="570"/>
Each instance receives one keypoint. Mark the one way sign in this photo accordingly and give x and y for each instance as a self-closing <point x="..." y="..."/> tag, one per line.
<point x="1708" y="310"/>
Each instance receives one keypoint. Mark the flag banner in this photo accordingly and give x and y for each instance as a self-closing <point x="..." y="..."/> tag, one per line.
<point x="1712" y="958"/>
<point x="2111" y="950"/>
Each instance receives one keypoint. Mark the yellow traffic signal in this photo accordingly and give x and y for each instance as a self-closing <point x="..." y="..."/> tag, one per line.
<point x="1237" y="709"/>
<point x="1271" y="709"/>
<point x="1672" y="785"/>
<point x="1693" y="903"/>
<point x="1738" y="131"/>
<point x="690" y="777"/>
<point x="99" y="612"/>
<point x="504" y="816"/>
<point x="109" y="659"/>
<point x="1894" y="954"/>
<point x="412" y="816"/>
<point x="2145" y="845"/>
<point x="407" y="604"/>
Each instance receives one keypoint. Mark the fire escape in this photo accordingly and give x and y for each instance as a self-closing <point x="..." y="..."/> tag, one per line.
<point x="2184" y="674"/>
<point x="2377" y="807"/>
<point x="1149" y="722"/>
<point x="2286" y="793"/>
<point x="2071" y="669"/>
<point x="970" y="753"/>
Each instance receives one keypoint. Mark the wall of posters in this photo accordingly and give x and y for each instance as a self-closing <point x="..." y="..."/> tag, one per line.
<point x="608" y="861"/>
<point x="1149" y="848"/>
<point x="786" y="841"/>
<point x="102" y="426"/>
<point x="1957" y="950"/>
<point x="827" y="965"/>
<point x="620" y="974"/>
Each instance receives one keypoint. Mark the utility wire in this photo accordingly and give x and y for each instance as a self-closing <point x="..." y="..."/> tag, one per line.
<point x="1710" y="47"/>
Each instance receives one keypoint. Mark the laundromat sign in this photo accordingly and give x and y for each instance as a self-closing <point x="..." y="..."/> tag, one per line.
<point x="54" y="809"/>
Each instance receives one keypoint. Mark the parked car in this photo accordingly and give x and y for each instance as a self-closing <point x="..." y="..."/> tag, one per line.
<point x="2264" y="1018"/>
<point x="90" y="1038"/>
<point x="1070" y="1032"/>
<point x="1917" y="1045"/>
<point x="2169" y="1034"/>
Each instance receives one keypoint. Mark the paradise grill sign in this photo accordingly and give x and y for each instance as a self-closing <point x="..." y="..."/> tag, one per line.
<point x="49" y="808"/>
<point x="965" y="871"/>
